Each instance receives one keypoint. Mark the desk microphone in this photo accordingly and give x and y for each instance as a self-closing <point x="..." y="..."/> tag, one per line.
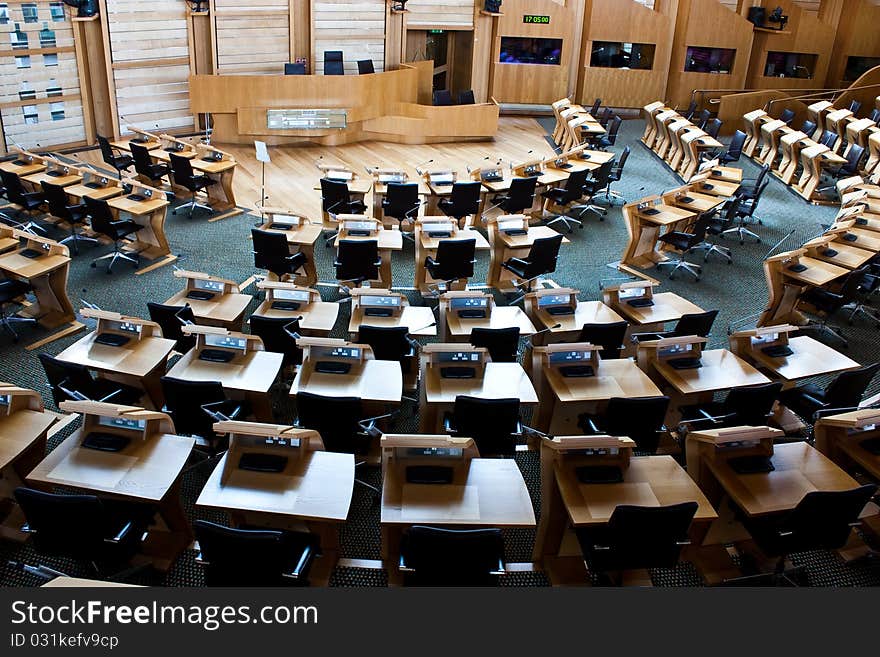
<point x="545" y="330"/>
<point x="776" y="246"/>
<point x="426" y="326"/>
<point x="421" y="164"/>
<point x="315" y="163"/>
<point x="89" y="305"/>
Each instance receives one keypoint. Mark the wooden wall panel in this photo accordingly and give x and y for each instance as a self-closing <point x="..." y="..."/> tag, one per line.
<point x="434" y="14"/>
<point x="149" y="52"/>
<point x="40" y="99"/>
<point x="626" y="21"/>
<point x="707" y="23"/>
<point x="251" y="38"/>
<point x="856" y="37"/>
<point x="356" y="28"/>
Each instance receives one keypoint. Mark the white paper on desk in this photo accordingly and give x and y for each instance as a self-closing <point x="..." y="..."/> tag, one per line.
<point x="262" y="152"/>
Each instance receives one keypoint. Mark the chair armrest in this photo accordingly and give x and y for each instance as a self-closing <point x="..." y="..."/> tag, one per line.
<point x="221" y="411"/>
<point x="290" y="332"/>
<point x="201" y="560"/>
<point x="121" y="534"/>
<point x="500" y="569"/>
<point x="401" y="565"/>
<point x="448" y="426"/>
<point x="76" y="395"/>
<point x="683" y="542"/>
<point x="518" y="261"/>
<point x="26" y="528"/>
<point x="301" y="565"/>
<point x="648" y="337"/>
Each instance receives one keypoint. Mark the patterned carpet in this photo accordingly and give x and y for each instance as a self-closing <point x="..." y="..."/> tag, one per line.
<point x="222" y="248"/>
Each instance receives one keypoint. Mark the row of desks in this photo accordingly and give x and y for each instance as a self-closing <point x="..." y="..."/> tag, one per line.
<point x="675" y="140"/>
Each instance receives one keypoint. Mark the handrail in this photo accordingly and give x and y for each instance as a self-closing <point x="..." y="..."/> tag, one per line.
<point x="802" y="94"/>
<point x="834" y="92"/>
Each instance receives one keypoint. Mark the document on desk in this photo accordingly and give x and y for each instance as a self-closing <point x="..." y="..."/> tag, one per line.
<point x="262" y="491"/>
<point x="440" y="502"/>
<point x="602" y="499"/>
<point x="100" y="470"/>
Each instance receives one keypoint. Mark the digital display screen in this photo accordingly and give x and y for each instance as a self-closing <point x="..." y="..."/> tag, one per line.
<point x="459" y="357"/>
<point x="226" y="341"/>
<point x="600" y="451"/>
<point x="429" y="452"/>
<point x="343" y="176"/>
<point x="343" y="352"/>
<point x="675" y="350"/>
<point x="528" y="50"/>
<point x="359" y="225"/>
<point x="390" y="302"/>
<point x="554" y="300"/>
<point x="211" y="286"/>
<point x="124" y="327"/>
<point x="292" y="295"/>
<point x="569" y="356"/>
<point x="4" y="400"/>
<point x="469" y="302"/>
<point x="631" y="292"/>
<point x="283" y="221"/>
<point x="392" y="176"/>
<point x="442" y="177"/>
<point x="278" y="441"/>
<point x="122" y="423"/>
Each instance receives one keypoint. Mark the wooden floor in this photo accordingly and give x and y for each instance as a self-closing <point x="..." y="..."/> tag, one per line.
<point x="291" y="176"/>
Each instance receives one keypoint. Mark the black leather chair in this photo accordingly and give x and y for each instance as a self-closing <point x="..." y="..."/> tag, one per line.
<point x="609" y="139"/>
<point x="254" y="557"/>
<point x="195" y="406"/>
<point x="851" y="167"/>
<point x="72" y="382"/>
<point x="502" y="343"/>
<point x="827" y="303"/>
<point x="787" y="116"/>
<point x="750" y="406"/>
<point x="10" y="290"/>
<point x="463" y="201"/>
<point x="745" y="213"/>
<point x="713" y="128"/>
<point x="172" y="319"/>
<point x="829" y="139"/>
<point x="640" y="418"/>
<point x="565" y="197"/>
<point x="721" y="221"/>
<point x="605" y="117"/>
<point x="393" y="343"/>
<point x="594" y="109"/>
<point x="277" y="334"/>
<point x="435" y="556"/>
<point x="691" y="110"/>
<point x="357" y="261"/>
<point x="116" y="159"/>
<point x="492" y="423"/>
<point x="272" y="253"/>
<point x="184" y="176"/>
<point x="875" y="115"/>
<point x="104" y="223"/>
<point x="73" y="214"/>
<point x="703" y="119"/>
<point x="294" y="68"/>
<point x="844" y="391"/>
<point x="466" y="97"/>
<point x="336" y="199"/>
<point x="822" y="520"/>
<point x="734" y="149"/>
<point x="455" y="261"/>
<point x="442" y="97"/>
<point x="29" y="203"/>
<point x="402" y="202"/>
<point x="104" y="533"/>
<point x="541" y="260"/>
<point x="144" y="165"/>
<point x="855" y="106"/>
<point x="519" y="197"/>
<point x="688" y="324"/>
<point x="808" y="128"/>
<point x="333" y="62"/>
<point x="599" y="182"/>
<point x="637" y="537"/>
<point x="365" y="67"/>
<point x="683" y="243"/>
<point x="616" y="174"/>
<point x="608" y="336"/>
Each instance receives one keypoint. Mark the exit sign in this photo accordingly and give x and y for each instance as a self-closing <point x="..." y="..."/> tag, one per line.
<point x="534" y="18"/>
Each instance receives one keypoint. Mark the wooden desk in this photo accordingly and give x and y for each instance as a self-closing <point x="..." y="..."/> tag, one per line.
<point x="317" y="318"/>
<point x="815" y="159"/>
<point x="642" y="249"/>
<point x="696" y="144"/>
<point x="455" y="329"/>
<point x="247" y="376"/>
<point x="842" y="254"/>
<point x="668" y="307"/>
<point x="22" y="170"/>
<point x="799" y="469"/>
<point x="419" y="320"/>
<point x="771" y="133"/>
<point x="791" y="143"/>
<point x="388" y="240"/>
<point x="698" y="203"/>
<point x="149" y="242"/>
<point x="378" y="381"/>
<point x="650" y="112"/>
<point x="785" y="286"/>
<point x="753" y="121"/>
<point x="810" y="358"/>
<point x="301" y="238"/>
<point x="483" y="493"/>
<point x="840" y="438"/>
<point x="506" y="246"/>
<point x="586" y="312"/>
<point x="47" y="276"/>
<point x="226" y="310"/>
<point x="836" y="121"/>
<point x="721" y="188"/>
<point x="721" y="370"/>
<point x="817" y="112"/>
<point x="427" y="246"/>
<point x="108" y="191"/>
<point x="499" y="381"/>
<point x="314" y="490"/>
<point x="148" y="470"/>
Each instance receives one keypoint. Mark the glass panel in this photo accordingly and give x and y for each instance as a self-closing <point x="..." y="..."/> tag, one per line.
<point x="29" y="12"/>
<point x="57" y="11"/>
<point x="790" y="65"/>
<point x="436" y="47"/>
<point x="53" y="88"/>
<point x="4" y="14"/>
<point x="23" y="62"/>
<point x="856" y="67"/>
<point x="57" y="111"/>
<point x="609" y="54"/>
<point x="26" y="91"/>
<point x="306" y="119"/>
<point x="709" y="60"/>
<point x="50" y="60"/>
<point x="525" y="50"/>
<point x="30" y="113"/>
<point x="18" y="38"/>
<point x="47" y="37"/>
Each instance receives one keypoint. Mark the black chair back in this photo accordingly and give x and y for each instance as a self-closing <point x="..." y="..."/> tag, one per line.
<point x="466" y="97"/>
<point x="356" y="260"/>
<point x="602" y="176"/>
<point x="594" y="110"/>
<point x="521" y="195"/>
<point x="828" y="138"/>
<point x="452" y="557"/>
<point x="442" y="97"/>
<point x="492" y="423"/>
<point x="58" y="202"/>
<point x="66" y="376"/>
<point x="606" y="117"/>
<point x="735" y="148"/>
<point x="181" y="169"/>
<point x="640" y="418"/>
<point x="101" y="216"/>
<point x="855" y="106"/>
<point x="617" y="169"/>
<point x="335" y="197"/>
<point x="106" y="151"/>
<point x="574" y="187"/>
<point x="294" y="68"/>
<point x="695" y="324"/>
<point x="705" y="115"/>
<point x="14" y="189"/>
<point x="465" y="197"/>
<point x="387" y="342"/>
<point x="333" y="62"/>
<point x="365" y="67"/>
<point x="184" y="401"/>
<point x="875" y="115"/>
<point x="455" y="259"/>
<point x="691" y="110"/>
<point x="639" y="537"/>
<point x="611" y="137"/>
<point x="271" y="251"/>
<point x="502" y="343"/>
<point x="714" y="127"/>
<point x="751" y="406"/>
<point x="271" y="330"/>
<point x="543" y="255"/>
<point x="401" y="201"/>
<point x="853" y="159"/>
<point x="848" y="387"/>
<point x="142" y="162"/>
<point x="608" y="336"/>
<point x="808" y="128"/>
<point x="335" y="418"/>
<point x="787" y="116"/>
<point x="823" y="520"/>
<point x="171" y="319"/>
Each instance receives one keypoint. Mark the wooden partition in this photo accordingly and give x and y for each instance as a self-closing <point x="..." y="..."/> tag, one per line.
<point x="356" y="27"/>
<point x="384" y="106"/>
<point x="734" y="106"/>
<point x="626" y="21"/>
<point x="251" y="37"/>
<point x="856" y="38"/>
<point x="708" y="24"/>
<point x="804" y="34"/>
<point x="536" y="83"/>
